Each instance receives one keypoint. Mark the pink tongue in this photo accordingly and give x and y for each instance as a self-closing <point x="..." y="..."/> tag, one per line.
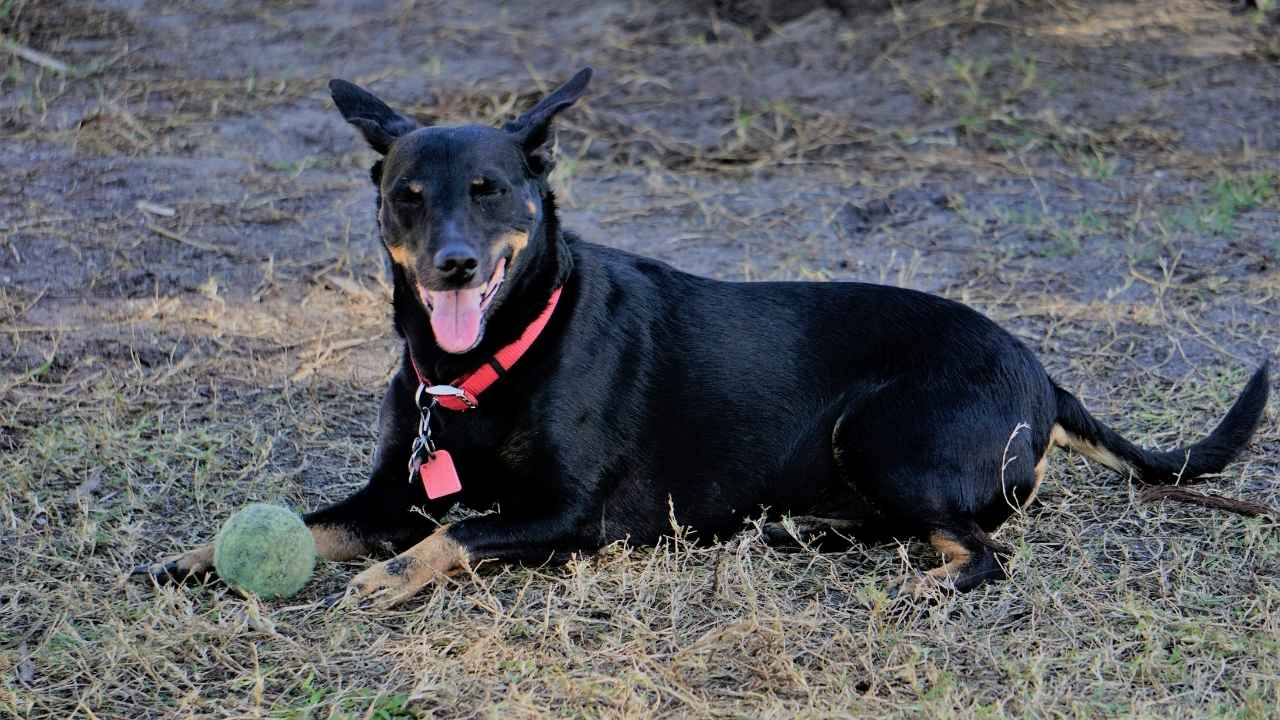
<point x="455" y="319"/>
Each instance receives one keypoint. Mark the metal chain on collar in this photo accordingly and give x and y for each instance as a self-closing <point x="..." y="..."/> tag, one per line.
<point x="424" y="448"/>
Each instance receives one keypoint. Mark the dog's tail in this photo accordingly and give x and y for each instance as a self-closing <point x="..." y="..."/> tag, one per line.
<point x="1080" y="431"/>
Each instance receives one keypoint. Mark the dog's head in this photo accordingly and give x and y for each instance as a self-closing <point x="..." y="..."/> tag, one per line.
<point x="457" y="205"/>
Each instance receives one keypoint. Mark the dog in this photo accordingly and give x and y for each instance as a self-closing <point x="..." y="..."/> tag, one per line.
<point x="590" y="395"/>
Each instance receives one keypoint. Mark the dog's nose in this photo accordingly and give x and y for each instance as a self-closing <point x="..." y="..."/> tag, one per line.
<point x="457" y="262"/>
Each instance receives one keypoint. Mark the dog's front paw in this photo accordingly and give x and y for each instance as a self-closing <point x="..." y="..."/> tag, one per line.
<point x="403" y="576"/>
<point x="192" y="565"/>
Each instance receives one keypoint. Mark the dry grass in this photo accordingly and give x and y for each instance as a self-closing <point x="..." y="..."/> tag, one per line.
<point x="1075" y="169"/>
<point x="1114" y="608"/>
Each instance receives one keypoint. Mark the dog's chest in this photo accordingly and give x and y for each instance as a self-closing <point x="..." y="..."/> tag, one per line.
<point x="496" y="463"/>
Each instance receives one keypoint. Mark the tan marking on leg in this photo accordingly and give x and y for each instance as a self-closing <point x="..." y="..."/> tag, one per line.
<point x="198" y="561"/>
<point x="1096" y="453"/>
<point x="337" y="543"/>
<point x="1041" y="467"/>
<point x="954" y="555"/>
<point x="1035" y="488"/>
<point x="403" y="576"/>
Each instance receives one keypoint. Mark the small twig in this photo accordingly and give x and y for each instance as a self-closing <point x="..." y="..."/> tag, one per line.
<point x="147" y="206"/>
<point x="35" y="57"/>
<point x="33" y="222"/>
<point x="1005" y="461"/>
<point x="1217" y="502"/>
<point x="197" y="244"/>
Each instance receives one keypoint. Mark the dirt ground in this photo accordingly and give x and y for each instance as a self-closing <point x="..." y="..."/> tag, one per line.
<point x="194" y="315"/>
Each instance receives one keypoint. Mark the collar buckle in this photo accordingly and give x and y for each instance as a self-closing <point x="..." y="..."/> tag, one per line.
<point x="448" y="391"/>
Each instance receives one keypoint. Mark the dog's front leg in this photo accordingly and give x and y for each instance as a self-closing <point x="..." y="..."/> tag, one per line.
<point x="378" y="513"/>
<point x="454" y="548"/>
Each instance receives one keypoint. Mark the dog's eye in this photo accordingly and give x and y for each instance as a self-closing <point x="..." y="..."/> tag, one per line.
<point x="483" y="187"/>
<point x="408" y="194"/>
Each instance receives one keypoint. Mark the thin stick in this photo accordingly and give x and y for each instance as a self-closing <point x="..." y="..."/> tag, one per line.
<point x="197" y="244"/>
<point x="1217" y="502"/>
<point x="34" y="57"/>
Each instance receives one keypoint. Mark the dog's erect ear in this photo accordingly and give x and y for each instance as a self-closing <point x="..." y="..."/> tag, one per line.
<point x="379" y="124"/>
<point x="531" y="128"/>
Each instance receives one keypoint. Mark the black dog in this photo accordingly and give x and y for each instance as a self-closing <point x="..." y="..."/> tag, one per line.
<point x="628" y="391"/>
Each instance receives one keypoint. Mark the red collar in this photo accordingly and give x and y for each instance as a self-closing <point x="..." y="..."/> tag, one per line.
<point x="461" y="394"/>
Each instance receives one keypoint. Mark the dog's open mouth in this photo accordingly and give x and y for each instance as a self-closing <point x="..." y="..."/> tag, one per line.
<point x="457" y="316"/>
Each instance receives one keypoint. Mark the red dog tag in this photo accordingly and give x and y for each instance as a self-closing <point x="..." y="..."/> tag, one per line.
<point x="439" y="476"/>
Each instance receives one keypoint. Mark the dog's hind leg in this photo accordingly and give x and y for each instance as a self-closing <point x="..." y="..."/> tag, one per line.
<point x="949" y="472"/>
<point x="970" y="558"/>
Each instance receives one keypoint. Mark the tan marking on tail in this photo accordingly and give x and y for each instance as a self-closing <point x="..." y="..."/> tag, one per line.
<point x="1063" y="438"/>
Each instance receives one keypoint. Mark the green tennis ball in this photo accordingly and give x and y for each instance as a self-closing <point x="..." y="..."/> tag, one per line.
<point x="266" y="550"/>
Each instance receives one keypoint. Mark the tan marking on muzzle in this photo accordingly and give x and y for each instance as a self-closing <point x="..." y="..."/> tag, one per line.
<point x="518" y="240"/>
<point x="401" y="256"/>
